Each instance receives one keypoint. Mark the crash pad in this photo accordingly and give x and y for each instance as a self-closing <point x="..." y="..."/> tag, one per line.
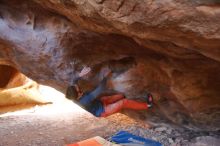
<point x="128" y="139"/>
<point x="95" y="141"/>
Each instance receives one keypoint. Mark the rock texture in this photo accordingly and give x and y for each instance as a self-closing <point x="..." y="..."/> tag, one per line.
<point x="175" y="43"/>
<point x="17" y="89"/>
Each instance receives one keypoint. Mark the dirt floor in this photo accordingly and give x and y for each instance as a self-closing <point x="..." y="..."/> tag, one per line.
<point x="63" y="122"/>
<point x="57" y="124"/>
<point x="54" y="125"/>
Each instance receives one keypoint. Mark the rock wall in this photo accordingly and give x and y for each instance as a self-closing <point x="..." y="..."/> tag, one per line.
<point x="175" y="43"/>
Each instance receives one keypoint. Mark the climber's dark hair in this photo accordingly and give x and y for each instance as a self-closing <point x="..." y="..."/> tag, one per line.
<point x="71" y="93"/>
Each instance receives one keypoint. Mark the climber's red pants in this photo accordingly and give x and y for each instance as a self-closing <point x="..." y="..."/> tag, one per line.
<point x="113" y="104"/>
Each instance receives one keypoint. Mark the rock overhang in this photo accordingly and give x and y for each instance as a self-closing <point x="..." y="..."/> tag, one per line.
<point x="176" y="48"/>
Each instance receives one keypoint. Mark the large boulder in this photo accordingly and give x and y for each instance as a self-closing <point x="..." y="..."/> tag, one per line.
<point x="175" y="44"/>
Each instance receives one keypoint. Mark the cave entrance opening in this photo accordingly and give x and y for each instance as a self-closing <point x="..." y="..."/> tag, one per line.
<point x="19" y="95"/>
<point x="49" y="102"/>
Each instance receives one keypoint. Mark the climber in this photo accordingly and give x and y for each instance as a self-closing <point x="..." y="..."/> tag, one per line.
<point x="96" y="74"/>
<point x="106" y="105"/>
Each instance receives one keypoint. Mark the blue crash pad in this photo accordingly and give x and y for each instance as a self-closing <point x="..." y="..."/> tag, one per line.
<point x="128" y="139"/>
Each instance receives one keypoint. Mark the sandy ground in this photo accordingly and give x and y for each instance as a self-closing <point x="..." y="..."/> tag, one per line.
<point x="53" y="125"/>
<point x="57" y="124"/>
<point x="39" y="128"/>
<point x="63" y="122"/>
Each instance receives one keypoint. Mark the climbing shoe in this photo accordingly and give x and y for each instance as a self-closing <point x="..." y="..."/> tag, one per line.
<point x="149" y="98"/>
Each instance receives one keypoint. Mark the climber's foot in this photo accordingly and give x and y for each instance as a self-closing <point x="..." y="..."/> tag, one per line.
<point x="149" y="99"/>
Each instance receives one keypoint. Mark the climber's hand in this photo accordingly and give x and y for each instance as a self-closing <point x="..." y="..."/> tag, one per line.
<point x="84" y="71"/>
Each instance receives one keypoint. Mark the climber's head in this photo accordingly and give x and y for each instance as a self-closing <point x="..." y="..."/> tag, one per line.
<point x="73" y="92"/>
